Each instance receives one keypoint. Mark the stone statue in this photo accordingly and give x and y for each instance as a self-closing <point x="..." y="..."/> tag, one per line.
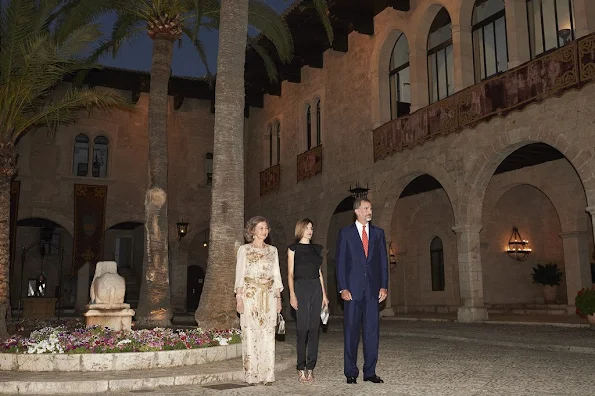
<point x="107" y="287"/>
<point x="107" y="306"/>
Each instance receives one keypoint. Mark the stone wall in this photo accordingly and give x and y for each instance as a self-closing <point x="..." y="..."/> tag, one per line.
<point x="353" y="85"/>
<point x="47" y="181"/>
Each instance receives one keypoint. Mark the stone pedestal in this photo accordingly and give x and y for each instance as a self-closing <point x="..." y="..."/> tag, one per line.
<point x="39" y="307"/>
<point x="107" y="308"/>
<point x="115" y="316"/>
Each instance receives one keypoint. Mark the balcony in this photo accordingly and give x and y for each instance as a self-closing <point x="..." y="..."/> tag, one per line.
<point x="270" y="180"/>
<point x="569" y="67"/>
<point x="309" y="163"/>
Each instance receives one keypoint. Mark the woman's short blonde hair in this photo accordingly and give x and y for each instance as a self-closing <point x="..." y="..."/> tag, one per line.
<point x="251" y="225"/>
<point x="300" y="228"/>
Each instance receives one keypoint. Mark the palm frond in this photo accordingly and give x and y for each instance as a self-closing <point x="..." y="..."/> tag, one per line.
<point x="127" y="27"/>
<point x="322" y="10"/>
<point x="271" y="25"/>
<point x="269" y="64"/>
<point x="66" y="110"/>
<point x="199" y="46"/>
<point x="34" y="64"/>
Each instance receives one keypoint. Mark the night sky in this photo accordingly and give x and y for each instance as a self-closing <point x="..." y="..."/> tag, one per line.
<point x="137" y="55"/>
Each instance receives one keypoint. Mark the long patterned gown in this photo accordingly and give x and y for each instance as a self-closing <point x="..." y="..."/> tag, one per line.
<point x="257" y="272"/>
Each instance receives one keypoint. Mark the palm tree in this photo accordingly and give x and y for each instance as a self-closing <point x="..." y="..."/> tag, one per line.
<point x="37" y="53"/>
<point x="217" y="304"/>
<point x="166" y="21"/>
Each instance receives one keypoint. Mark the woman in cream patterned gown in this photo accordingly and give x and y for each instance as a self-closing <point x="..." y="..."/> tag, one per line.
<point x="258" y="289"/>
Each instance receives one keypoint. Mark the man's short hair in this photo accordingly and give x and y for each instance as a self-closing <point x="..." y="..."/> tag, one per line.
<point x="358" y="202"/>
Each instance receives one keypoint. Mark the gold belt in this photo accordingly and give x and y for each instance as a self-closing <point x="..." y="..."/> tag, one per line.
<point x="263" y="286"/>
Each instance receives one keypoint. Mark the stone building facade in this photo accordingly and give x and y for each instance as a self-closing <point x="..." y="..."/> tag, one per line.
<point x="48" y="169"/>
<point x="416" y="112"/>
<point x="529" y="165"/>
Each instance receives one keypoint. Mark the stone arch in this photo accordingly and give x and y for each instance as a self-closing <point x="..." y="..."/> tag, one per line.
<point x="57" y="218"/>
<point x="424" y="17"/>
<point x="497" y="149"/>
<point x="570" y="218"/>
<point x="465" y="13"/>
<point x="391" y="191"/>
<point x="123" y="218"/>
<point x="194" y="230"/>
<point x="327" y="210"/>
<point x="379" y="74"/>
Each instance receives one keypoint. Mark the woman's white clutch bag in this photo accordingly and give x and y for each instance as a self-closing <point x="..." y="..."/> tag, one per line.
<point x="324" y="314"/>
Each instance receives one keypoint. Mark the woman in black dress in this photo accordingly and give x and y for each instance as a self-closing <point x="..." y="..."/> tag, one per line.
<point x="307" y="296"/>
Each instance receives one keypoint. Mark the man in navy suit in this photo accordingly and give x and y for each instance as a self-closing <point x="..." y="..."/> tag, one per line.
<point x="362" y="279"/>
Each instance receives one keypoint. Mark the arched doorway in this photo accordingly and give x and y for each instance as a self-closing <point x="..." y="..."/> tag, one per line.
<point x="424" y="272"/>
<point x="42" y="265"/>
<point x="198" y="252"/>
<point x="195" y="277"/>
<point x="536" y="189"/>
<point x="124" y="244"/>
<point x="342" y="217"/>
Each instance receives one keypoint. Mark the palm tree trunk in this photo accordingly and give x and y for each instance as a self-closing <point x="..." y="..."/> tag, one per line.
<point x="217" y="302"/>
<point x="154" y="307"/>
<point x="7" y="171"/>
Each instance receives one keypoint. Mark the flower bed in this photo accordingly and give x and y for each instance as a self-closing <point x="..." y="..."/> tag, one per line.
<point x="103" y="340"/>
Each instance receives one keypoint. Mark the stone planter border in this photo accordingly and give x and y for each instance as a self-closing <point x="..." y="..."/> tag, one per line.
<point x="117" y="361"/>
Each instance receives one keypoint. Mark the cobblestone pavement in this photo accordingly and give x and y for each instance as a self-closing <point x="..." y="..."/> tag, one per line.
<point x="425" y="365"/>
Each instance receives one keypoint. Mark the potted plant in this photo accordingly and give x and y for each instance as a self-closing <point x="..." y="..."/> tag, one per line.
<point x="550" y="277"/>
<point x="585" y="305"/>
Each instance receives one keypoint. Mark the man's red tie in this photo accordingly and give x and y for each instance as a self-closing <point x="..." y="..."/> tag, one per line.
<point x="365" y="240"/>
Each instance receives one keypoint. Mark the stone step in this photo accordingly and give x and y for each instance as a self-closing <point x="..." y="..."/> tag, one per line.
<point x="60" y="383"/>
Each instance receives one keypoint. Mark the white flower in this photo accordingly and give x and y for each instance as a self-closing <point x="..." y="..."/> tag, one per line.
<point x="123" y="342"/>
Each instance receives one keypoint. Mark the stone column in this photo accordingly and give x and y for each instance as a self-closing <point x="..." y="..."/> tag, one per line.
<point x="470" y="274"/>
<point x="387" y="309"/>
<point x="462" y="46"/>
<point x="517" y="33"/>
<point x="418" y="69"/>
<point x="577" y="267"/>
<point x="82" y="288"/>
<point x="584" y="12"/>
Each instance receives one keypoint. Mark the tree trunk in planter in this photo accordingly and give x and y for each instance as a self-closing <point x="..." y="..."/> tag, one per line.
<point x="217" y="307"/>
<point x="154" y="307"/>
<point x="7" y="171"/>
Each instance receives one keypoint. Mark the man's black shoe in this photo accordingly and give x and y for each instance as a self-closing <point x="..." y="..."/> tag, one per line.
<point x="375" y="379"/>
<point x="352" y="380"/>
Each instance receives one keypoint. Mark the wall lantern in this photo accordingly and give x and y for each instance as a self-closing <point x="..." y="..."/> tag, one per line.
<point x="518" y="248"/>
<point x="358" y="192"/>
<point x="182" y="229"/>
<point x="392" y="256"/>
<point x="565" y="35"/>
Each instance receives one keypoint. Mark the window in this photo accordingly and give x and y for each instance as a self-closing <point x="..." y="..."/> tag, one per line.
<point x="100" y="148"/>
<point x="278" y="130"/>
<point x="490" y="52"/>
<point x="437" y="262"/>
<point x="400" y="87"/>
<point x="80" y="160"/>
<point x="551" y="24"/>
<point x="440" y="57"/>
<point x="318" y="124"/>
<point x="270" y="138"/>
<point x="209" y="169"/>
<point x="309" y="126"/>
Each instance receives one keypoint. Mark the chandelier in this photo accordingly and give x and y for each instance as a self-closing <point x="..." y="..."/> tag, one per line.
<point x="358" y="191"/>
<point x="518" y="248"/>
